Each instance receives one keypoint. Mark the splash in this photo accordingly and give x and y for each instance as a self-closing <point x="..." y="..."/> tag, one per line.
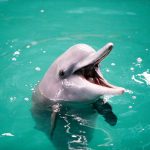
<point x="7" y="134"/>
<point x="128" y="91"/>
<point x="145" y="76"/>
<point x="136" y="80"/>
<point x="142" y="78"/>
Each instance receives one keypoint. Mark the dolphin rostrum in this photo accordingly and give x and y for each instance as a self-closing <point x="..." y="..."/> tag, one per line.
<point x="74" y="77"/>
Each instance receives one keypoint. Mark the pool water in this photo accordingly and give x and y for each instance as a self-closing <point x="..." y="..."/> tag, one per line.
<point x="34" y="33"/>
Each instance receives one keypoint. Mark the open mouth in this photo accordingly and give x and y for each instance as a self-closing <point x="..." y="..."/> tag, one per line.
<point x="89" y="67"/>
<point x="89" y="70"/>
<point x="92" y="74"/>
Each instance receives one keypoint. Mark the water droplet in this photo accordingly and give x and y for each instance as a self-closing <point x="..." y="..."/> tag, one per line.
<point x="139" y="60"/>
<point x="37" y="68"/>
<point x="12" y="98"/>
<point x="133" y="97"/>
<point x="42" y="10"/>
<point x="32" y="89"/>
<point x="26" y="99"/>
<point x="132" y="69"/>
<point x="44" y="51"/>
<point x="13" y="59"/>
<point x="130" y="107"/>
<point x="16" y="53"/>
<point x="113" y="64"/>
<point x="128" y="91"/>
<point x="107" y="70"/>
<point x="28" y="46"/>
<point x="7" y="134"/>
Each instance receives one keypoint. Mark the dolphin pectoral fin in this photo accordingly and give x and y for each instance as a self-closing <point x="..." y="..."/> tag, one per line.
<point x="53" y="123"/>
<point x="105" y="109"/>
<point x="55" y="110"/>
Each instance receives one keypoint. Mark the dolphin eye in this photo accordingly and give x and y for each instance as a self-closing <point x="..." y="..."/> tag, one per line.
<point x="61" y="73"/>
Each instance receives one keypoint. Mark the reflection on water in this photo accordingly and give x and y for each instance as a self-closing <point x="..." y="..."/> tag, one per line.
<point x="74" y="125"/>
<point x="34" y="33"/>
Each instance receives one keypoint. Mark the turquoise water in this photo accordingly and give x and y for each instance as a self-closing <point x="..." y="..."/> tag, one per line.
<point x="34" y="33"/>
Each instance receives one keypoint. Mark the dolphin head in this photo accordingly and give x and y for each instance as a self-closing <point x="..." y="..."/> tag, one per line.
<point x="76" y="76"/>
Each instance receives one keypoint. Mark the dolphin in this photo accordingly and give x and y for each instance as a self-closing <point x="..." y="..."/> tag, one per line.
<point x="74" y="78"/>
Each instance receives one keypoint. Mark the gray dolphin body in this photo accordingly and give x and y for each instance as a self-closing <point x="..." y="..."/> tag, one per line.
<point x="74" y="78"/>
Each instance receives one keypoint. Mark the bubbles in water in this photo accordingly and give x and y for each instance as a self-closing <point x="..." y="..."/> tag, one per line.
<point x="28" y="46"/>
<point x="130" y="107"/>
<point x="128" y="91"/>
<point x="107" y="70"/>
<point x="133" y="97"/>
<point x="37" y="68"/>
<point x="32" y="89"/>
<point x="139" y="60"/>
<point x="43" y="50"/>
<point x="16" y="53"/>
<point x="42" y="10"/>
<point x="132" y="69"/>
<point x="146" y="49"/>
<point x="26" y="99"/>
<point x="113" y="64"/>
<point x="7" y="134"/>
<point x="12" y="98"/>
<point x="13" y="59"/>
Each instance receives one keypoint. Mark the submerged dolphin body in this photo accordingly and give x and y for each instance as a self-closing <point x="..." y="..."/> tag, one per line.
<point x="74" y="78"/>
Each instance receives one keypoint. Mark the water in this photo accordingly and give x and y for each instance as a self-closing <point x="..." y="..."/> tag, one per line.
<point x="34" y="33"/>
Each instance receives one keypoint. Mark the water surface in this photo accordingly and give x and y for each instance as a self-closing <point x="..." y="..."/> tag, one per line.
<point x="34" y="33"/>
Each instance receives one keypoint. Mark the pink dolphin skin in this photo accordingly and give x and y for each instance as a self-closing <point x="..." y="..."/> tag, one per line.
<point x="75" y="76"/>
